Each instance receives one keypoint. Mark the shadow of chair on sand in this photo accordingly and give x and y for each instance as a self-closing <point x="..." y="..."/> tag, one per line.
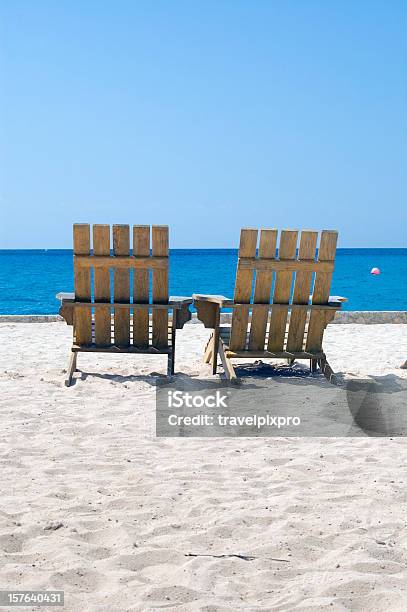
<point x="377" y="404"/>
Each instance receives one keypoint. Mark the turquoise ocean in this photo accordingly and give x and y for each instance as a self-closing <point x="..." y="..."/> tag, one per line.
<point x="29" y="279"/>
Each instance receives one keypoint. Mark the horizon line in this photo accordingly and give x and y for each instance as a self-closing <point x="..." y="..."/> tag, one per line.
<point x="45" y="249"/>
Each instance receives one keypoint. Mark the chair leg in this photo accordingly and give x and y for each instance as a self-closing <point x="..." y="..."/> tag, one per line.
<point x="214" y="359"/>
<point x="326" y="369"/>
<point x="171" y="363"/>
<point x="71" y="368"/>
<point x="226" y="362"/>
<point x="216" y="338"/>
<point x="313" y="365"/>
<point x="208" y="350"/>
<point x="171" y="355"/>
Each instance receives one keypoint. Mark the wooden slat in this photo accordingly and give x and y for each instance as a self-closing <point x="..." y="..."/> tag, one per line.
<point x="141" y="246"/>
<point x="173" y="303"/>
<point x="121" y="246"/>
<point x="270" y="355"/>
<point x="267" y="250"/>
<point x="253" y="263"/>
<point x="101" y="246"/>
<point x="121" y="349"/>
<point x="291" y="306"/>
<point x="227" y="364"/>
<point x="160" y="287"/>
<point x="282" y="289"/>
<point x="129" y="305"/>
<point x="82" y="316"/>
<point x="302" y="288"/>
<point x="243" y="289"/>
<point x="153" y="263"/>
<point x="318" y="318"/>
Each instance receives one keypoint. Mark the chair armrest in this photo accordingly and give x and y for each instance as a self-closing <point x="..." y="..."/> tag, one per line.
<point x="181" y="310"/>
<point x="208" y="308"/>
<point x="65" y="297"/>
<point x="67" y="306"/>
<point x="179" y="303"/>
<point x="336" y="300"/>
<point x="179" y="299"/>
<point x="221" y="300"/>
<point x="174" y="299"/>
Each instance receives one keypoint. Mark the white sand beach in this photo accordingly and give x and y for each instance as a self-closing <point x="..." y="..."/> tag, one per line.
<point x="94" y="504"/>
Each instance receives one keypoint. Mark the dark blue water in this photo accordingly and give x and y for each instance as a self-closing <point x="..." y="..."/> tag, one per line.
<point x="29" y="280"/>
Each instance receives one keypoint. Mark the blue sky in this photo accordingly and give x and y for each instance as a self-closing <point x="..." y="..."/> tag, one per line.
<point x="206" y="115"/>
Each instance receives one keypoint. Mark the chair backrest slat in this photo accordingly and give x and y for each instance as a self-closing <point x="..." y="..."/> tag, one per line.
<point x="322" y="286"/>
<point x="121" y="246"/>
<point x="141" y="247"/>
<point x="267" y="250"/>
<point x="302" y="291"/>
<point x="82" y="316"/>
<point x="101" y="246"/>
<point x="243" y="290"/>
<point x="282" y="290"/>
<point x="160" y="287"/>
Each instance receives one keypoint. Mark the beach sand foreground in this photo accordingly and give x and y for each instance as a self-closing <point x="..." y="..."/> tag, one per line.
<point x="94" y="504"/>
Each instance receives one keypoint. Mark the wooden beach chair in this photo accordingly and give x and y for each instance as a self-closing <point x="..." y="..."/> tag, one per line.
<point x="110" y="309"/>
<point x="281" y="302"/>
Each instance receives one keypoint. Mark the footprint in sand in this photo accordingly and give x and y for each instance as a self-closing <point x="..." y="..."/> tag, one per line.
<point x="78" y="579"/>
<point x="11" y="543"/>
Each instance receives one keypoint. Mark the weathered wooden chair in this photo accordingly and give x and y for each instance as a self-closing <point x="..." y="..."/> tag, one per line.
<point x="275" y="318"/>
<point x="104" y="316"/>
